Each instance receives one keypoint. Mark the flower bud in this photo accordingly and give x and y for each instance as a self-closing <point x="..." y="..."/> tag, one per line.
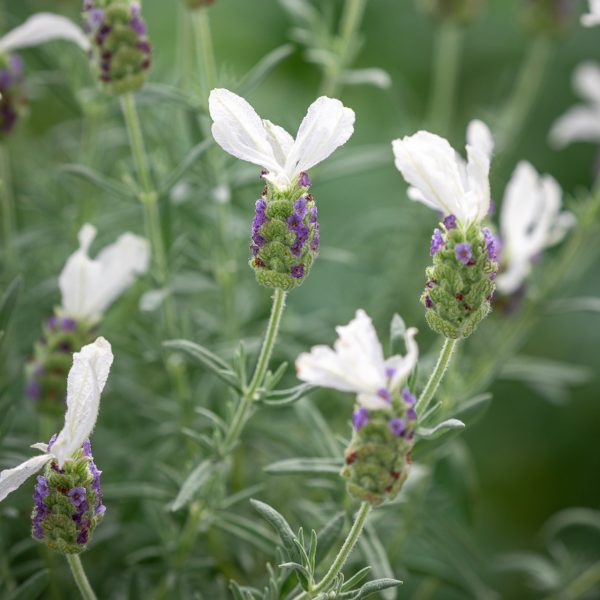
<point x="378" y="459"/>
<point x="458" y="11"/>
<point x="12" y="94"/>
<point x="550" y="18"/>
<point x="46" y="374"/>
<point x="121" y="49"/>
<point x="285" y="235"/>
<point x="461" y="281"/>
<point x="68" y="502"/>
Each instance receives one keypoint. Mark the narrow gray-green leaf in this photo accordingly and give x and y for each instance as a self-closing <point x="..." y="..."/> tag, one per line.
<point x="281" y="526"/>
<point x="431" y="433"/>
<point x="264" y="67"/>
<point x="194" y="482"/>
<point x="99" y="180"/>
<point x="32" y="588"/>
<point x="305" y="466"/>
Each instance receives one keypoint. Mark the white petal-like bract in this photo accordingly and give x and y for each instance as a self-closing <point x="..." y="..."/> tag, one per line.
<point x="441" y="179"/>
<point x="356" y="363"/>
<point x="85" y="383"/>
<point x="89" y="286"/>
<point x="530" y="221"/>
<point x="582" y="121"/>
<point x="43" y="27"/>
<point x="592" y="18"/>
<point x="12" y="479"/>
<point x="239" y="130"/>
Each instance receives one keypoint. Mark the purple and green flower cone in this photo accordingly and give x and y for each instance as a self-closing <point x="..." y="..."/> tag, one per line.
<point x="379" y="456"/>
<point x="121" y="50"/>
<point x="461" y="282"/>
<point x="550" y="18"/>
<point x="457" y="11"/>
<point x="46" y="374"/>
<point x="285" y="236"/>
<point x="12" y="92"/>
<point x="68" y="503"/>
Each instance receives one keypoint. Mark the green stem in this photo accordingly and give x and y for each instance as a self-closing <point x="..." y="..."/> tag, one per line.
<point x="436" y="376"/>
<point x="87" y="593"/>
<point x="204" y="50"/>
<point x="525" y="91"/>
<point x="351" y="20"/>
<point x="241" y="414"/>
<point x="445" y="77"/>
<point x="149" y="200"/>
<point x="9" y="223"/>
<point x="342" y="555"/>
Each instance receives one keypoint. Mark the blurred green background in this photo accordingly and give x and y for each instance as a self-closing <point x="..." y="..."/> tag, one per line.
<point x="524" y="461"/>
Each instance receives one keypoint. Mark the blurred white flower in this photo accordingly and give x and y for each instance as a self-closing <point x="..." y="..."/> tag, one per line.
<point x="237" y="128"/>
<point x="441" y="179"/>
<point x="40" y="28"/>
<point x="356" y="364"/>
<point x="86" y="381"/>
<point x="530" y="221"/>
<point x="89" y="286"/>
<point x="593" y="17"/>
<point x="582" y="121"/>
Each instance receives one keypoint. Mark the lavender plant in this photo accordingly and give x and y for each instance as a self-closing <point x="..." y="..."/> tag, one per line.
<point x="213" y="468"/>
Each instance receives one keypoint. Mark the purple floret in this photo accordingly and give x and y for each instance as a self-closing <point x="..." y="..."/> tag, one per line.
<point x="437" y="242"/>
<point x="77" y="496"/>
<point x="450" y="222"/>
<point x="360" y="418"/>
<point x="463" y="253"/>
<point x="298" y="271"/>
<point x="304" y="180"/>
<point x="397" y="426"/>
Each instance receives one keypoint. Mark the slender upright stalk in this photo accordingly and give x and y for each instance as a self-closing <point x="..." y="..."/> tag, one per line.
<point x="342" y="556"/>
<point x="350" y="24"/>
<point x="446" y="68"/>
<point x="524" y="93"/>
<point x="9" y="223"/>
<point x="241" y="414"/>
<point x="87" y="593"/>
<point x="204" y="50"/>
<point x="436" y="375"/>
<point x="149" y="199"/>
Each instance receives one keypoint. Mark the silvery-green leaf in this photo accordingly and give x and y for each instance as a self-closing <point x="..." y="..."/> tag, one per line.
<point x="372" y="587"/>
<point x="281" y="526"/>
<point x="287" y="396"/>
<point x="32" y="588"/>
<point x="305" y="466"/>
<point x="264" y="67"/>
<point x="100" y="180"/>
<point x="431" y="433"/>
<point x="193" y="484"/>
<point x="374" y="76"/>
<point x="210" y="360"/>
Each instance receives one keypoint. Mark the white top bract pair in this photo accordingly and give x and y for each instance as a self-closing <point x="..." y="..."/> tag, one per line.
<point x="531" y="218"/>
<point x="85" y="383"/>
<point x="40" y="28"/>
<point x="89" y="286"/>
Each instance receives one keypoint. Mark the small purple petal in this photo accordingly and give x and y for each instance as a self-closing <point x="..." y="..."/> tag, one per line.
<point x="77" y="495"/>
<point x="463" y="253"/>
<point x="304" y="180"/>
<point x="68" y="324"/>
<point x="437" y="242"/>
<point x="408" y="397"/>
<point x="314" y="245"/>
<point x="360" y="418"/>
<point x="384" y="394"/>
<point x="298" y="271"/>
<point x="397" y="426"/>
<point x="450" y="222"/>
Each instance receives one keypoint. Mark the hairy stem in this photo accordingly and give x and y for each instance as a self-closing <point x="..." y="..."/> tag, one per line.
<point x="149" y="200"/>
<point x="525" y="91"/>
<point x="241" y="414"/>
<point x="445" y="77"/>
<point x="436" y="375"/>
<point x="9" y="223"/>
<point x="87" y="593"/>
<point x="342" y="556"/>
<point x="350" y="24"/>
